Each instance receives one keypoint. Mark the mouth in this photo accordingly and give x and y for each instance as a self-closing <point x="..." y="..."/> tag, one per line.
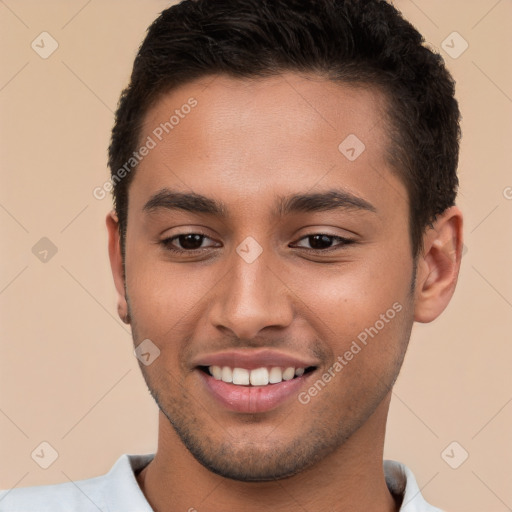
<point x="256" y="377"/>
<point x="246" y="382"/>
<point x="253" y="381"/>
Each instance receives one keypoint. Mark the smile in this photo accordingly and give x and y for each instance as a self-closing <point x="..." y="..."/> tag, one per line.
<point x="255" y="377"/>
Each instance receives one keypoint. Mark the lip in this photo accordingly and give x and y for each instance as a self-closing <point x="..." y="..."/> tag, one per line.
<point x="252" y="399"/>
<point x="252" y="359"/>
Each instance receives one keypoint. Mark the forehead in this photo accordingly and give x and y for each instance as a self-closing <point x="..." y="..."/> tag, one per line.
<point x="305" y="105"/>
<point x="248" y="139"/>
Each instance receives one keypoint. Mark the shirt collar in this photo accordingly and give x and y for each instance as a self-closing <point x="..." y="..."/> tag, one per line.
<point x="122" y="492"/>
<point x="120" y="487"/>
<point x="401" y="482"/>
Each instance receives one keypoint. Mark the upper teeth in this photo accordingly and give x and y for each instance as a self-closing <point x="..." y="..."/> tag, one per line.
<point x="257" y="377"/>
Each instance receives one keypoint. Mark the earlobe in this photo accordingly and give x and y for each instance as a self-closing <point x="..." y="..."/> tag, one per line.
<point x="116" y="264"/>
<point x="438" y="265"/>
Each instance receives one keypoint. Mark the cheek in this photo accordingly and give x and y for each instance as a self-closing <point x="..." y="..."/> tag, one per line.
<point x="346" y="299"/>
<point x="162" y="296"/>
<point x="363" y="318"/>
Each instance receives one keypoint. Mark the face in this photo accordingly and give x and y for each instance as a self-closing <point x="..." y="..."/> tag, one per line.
<point x="259" y="249"/>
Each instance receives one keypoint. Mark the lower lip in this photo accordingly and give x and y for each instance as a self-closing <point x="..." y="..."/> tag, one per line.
<point x="252" y="399"/>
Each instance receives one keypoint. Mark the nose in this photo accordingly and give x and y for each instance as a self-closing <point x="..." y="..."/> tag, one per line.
<point x="251" y="297"/>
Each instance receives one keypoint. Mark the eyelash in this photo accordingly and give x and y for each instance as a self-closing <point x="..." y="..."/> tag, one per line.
<point x="343" y="242"/>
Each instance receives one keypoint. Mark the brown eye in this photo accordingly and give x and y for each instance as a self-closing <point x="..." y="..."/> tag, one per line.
<point x="191" y="241"/>
<point x="186" y="242"/>
<point x="320" y="241"/>
<point x="324" y="243"/>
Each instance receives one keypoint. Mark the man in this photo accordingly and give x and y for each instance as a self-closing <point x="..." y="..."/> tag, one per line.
<point x="284" y="179"/>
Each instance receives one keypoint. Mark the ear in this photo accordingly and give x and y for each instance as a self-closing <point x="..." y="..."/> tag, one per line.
<point x="116" y="264"/>
<point x="438" y="265"/>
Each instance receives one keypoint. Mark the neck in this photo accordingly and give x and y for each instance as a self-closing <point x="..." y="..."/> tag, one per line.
<point x="351" y="478"/>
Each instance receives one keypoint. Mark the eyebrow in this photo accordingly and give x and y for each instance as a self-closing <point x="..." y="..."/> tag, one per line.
<point x="297" y="203"/>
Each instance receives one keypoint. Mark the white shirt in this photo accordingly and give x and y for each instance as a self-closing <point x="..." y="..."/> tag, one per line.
<point x="119" y="491"/>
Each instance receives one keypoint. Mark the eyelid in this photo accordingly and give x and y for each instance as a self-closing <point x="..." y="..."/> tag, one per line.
<point x="343" y="242"/>
<point x="166" y="242"/>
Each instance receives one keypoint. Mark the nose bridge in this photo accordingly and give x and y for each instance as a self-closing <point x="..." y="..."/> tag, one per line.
<point x="251" y="296"/>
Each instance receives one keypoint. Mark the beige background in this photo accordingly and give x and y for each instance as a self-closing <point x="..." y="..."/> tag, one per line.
<point x="68" y="374"/>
